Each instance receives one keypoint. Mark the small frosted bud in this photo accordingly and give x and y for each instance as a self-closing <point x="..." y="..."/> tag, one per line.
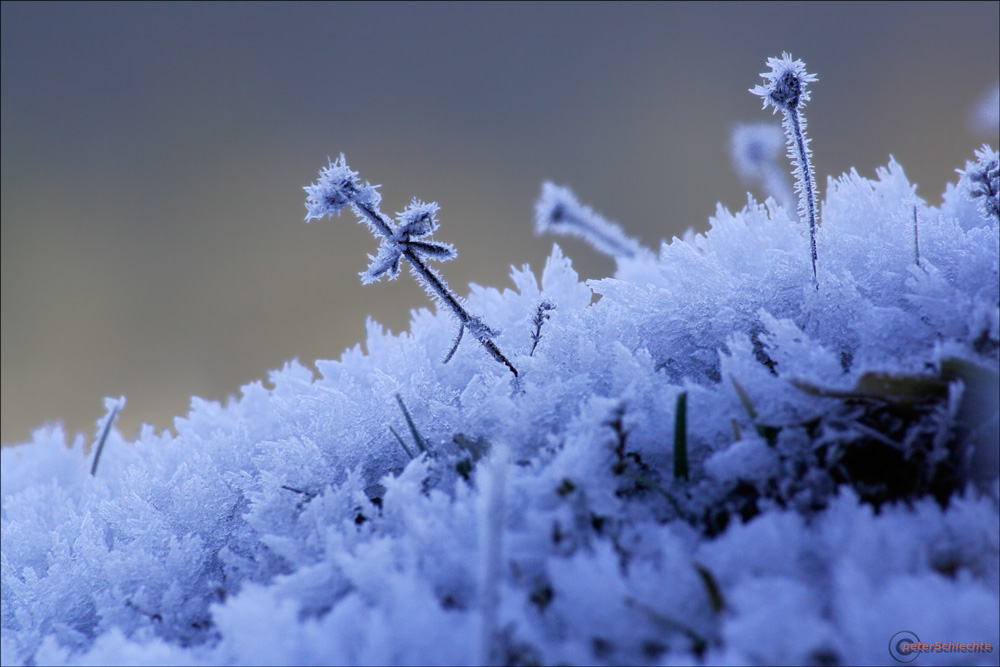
<point x="338" y="186"/>
<point x="419" y="218"/>
<point x="417" y="221"/>
<point x="785" y="88"/>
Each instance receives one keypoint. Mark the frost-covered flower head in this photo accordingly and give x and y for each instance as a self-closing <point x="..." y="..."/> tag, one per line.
<point x="785" y="88"/>
<point x="338" y="186"/>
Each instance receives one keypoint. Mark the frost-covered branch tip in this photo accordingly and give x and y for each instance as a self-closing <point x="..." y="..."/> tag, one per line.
<point x="982" y="181"/>
<point x="559" y="211"/>
<point x="785" y="89"/>
<point x="756" y="149"/>
<point x="338" y="187"/>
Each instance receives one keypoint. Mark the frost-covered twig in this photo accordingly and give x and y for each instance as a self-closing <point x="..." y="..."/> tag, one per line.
<point x="786" y="90"/>
<point x="113" y="406"/>
<point x="541" y="314"/>
<point x="559" y="211"/>
<point x="982" y="181"/>
<point x="755" y="149"/>
<point x="338" y="186"/>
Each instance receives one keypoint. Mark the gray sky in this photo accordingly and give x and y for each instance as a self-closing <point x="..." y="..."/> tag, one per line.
<point x="153" y="158"/>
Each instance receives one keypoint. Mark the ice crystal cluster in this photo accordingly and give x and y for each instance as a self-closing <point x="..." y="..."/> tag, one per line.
<point x="714" y="462"/>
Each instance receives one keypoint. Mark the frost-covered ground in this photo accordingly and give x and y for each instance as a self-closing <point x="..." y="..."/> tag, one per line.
<point x="713" y="456"/>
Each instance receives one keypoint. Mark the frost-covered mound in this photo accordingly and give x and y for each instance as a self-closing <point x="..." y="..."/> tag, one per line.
<point x="828" y="479"/>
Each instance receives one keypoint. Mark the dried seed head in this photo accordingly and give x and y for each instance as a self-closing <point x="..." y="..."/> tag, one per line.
<point x="785" y="88"/>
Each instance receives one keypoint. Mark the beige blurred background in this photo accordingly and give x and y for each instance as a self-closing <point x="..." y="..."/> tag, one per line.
<point x="153" y="158"/>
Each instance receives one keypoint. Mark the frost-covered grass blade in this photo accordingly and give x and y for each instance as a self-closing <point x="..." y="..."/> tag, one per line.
<point x="113" y="406"/>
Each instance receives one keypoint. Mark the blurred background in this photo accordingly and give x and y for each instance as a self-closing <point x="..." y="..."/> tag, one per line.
<point x="153" y="159"/>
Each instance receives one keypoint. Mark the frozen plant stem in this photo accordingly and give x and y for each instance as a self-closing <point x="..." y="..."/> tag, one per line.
<point x="785" y="89"/>
<point x="916" y="238"/>
<point x="339" y="186"/>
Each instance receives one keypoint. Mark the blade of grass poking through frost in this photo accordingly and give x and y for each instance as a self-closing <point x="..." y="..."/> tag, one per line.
<point x="769" y="433"/>
<point x="745" y="400"/>
<point x="712" y="588"/>
<point x="653" y="486"/>
<point x="698" y="642"/>
<point x="916" y="238"/>
<point x="401" y="442"/>
<point x="113" y="406"/>
<point x="680" y="438"/>
<point x="421" y="443"/>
